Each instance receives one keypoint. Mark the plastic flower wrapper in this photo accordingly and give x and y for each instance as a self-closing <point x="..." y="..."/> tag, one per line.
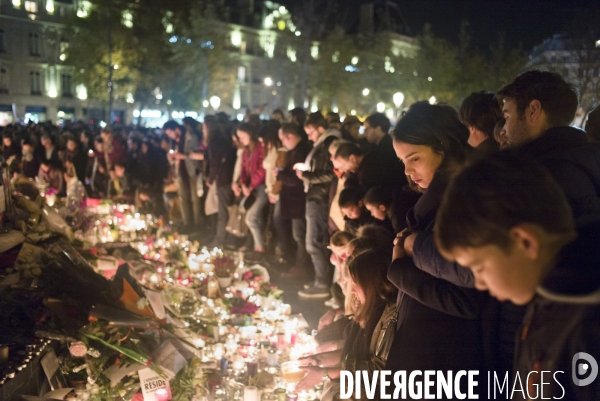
<point x="184" y="302"/>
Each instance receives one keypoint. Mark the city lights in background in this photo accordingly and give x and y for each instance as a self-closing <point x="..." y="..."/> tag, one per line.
<point x="215" y="102"/>
<point x="366" y="92"/>
<point x="432" y="100"/>
<point x="380" y="107"/>
<point x="268" y="81"/>
<point x="398" y="99"/>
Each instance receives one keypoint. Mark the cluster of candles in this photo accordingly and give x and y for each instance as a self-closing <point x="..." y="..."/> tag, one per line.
<point x="11" y="363"/>
<point x="272" y="342"/>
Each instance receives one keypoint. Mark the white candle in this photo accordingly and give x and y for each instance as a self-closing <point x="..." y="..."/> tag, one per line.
<point x="250" y="393"/>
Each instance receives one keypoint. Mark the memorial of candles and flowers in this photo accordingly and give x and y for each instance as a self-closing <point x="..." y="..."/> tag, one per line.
<point x="114" y="305"/>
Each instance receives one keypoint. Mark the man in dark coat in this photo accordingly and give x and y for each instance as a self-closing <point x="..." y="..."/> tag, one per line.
<point x="377" y="128"/>
<point x="292" y="198"/>
<point x="507" y="219"/>
<point x="317" y="172"/>
<point x="538" y="107"/>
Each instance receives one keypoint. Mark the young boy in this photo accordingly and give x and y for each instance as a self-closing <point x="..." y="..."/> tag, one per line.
<point x="510" y="223"/>
<point x="356" y="215"/>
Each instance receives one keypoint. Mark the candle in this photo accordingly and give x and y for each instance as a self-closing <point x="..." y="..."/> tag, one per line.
<point x="252" y="368"/>
<point x="272" y="358"/>
<point x="295" y="354"/>
<point x="238" y="362"/>
<point x="223" y="364"/>
<point x="219" y="351"/>
<point x="161" y="395"/>
<point x="250" y="393"/>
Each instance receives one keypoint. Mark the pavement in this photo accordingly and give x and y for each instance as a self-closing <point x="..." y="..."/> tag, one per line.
<point x="311" y="309"/>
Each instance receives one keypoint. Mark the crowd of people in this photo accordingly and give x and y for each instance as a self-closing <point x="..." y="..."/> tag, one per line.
<point x="490" y="217"/>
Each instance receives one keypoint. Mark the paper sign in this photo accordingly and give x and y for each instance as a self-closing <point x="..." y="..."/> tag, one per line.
<point x="150" y="381"/>
<point x="50" y="365"/>
<point x="156" y="303"/>
<point x="58" y="394"/>
<point x="108" y="263"/>
<point x="116" y="373"/>
<point x="169" y="359"/>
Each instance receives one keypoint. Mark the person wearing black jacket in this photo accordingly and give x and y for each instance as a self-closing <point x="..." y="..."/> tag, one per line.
<point x="538" y="107"/>
<point x="431" y="142"/>
<point x="317" y="173"/>
<point x="221" y="162"/>
<point x="508" y="220"/>
<point x="292" y="199"/>
<point x="75" y="156"/>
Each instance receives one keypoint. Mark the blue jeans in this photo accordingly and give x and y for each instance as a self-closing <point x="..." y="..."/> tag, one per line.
<point x="255" y="216"/>
<point x="225" y="196"/>
<point x="317" y="239"/>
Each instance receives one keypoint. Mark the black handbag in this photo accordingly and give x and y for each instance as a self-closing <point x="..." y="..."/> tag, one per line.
<point x="247" y="201"/>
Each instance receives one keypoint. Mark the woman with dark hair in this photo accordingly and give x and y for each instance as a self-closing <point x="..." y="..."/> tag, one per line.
<point x="368" y="337"/>
<point x="298" y="117"/>
<point x="252" y="185"/>
<point x="9" y="147"/>
<point x="221" y="160"/>
<point x="99" y="175"/>
<point x="86" y="139"/>
<point x="435" y="296"/>
<point x="274" y="162"/>
<point x="74" y="156"/>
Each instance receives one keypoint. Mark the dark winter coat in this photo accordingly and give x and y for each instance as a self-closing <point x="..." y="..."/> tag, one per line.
<point x="292" y="196"/>
<point x="376" y="170"/>
<point x="564" y="319"/>
<point x="318" y="178"/>
<point x="79" y="160"/>
<point x="221" y="156"/>
<point x="573" y="162"/>
<point x="469" y="319"/>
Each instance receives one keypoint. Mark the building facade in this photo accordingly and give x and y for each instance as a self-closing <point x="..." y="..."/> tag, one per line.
<point x="265" y="46"/>
<point x="35" y="83"/>
<point x="578" y="61"/>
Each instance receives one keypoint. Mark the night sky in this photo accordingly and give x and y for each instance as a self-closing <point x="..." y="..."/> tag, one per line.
<point x="523" y="21"/>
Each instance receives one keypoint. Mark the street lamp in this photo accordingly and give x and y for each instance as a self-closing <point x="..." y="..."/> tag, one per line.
<point x="432" y="100"/>
<point x="366" y="92"/>
<point x="268" y="81"/>
<point x="398" y="99"/>
<point x="380" y="107"/>
<point x="215" y="102"/>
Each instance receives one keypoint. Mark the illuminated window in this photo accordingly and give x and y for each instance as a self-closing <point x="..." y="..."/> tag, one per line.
<point x="35" y="83"/>
<point x="242" y="74"/>
<point x="84" y="9"/>
<point x="31" y="6"/>
<point x="127" y="18"/>
<point x="16" y="3"/>
<point x="314" y="50"/>
<point x="64" y="46"/>
<point x="236" y="38"/>
<point x="50" y="6"/>
<point x="34" y="44"/>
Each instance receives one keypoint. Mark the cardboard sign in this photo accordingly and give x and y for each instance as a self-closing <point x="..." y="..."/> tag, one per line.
<point x="50" y="365"/>
<point x="150" y="381"/>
